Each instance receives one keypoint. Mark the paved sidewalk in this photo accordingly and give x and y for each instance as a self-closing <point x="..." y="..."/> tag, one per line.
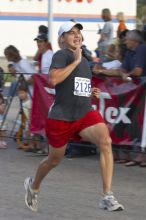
<point x="71" y="191"/>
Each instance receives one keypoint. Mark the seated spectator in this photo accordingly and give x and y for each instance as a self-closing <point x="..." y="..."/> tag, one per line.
<point x="111" y="68"/>
<point x="21" y="65"/>
<point x="3" y="123"/>
<point x="134" y="62"/>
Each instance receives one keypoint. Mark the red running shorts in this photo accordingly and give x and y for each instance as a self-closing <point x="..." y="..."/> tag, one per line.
<point x="60" y="132"/>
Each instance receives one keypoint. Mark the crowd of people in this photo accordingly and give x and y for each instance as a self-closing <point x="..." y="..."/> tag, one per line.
<point x="123" y="56"/>
<point x="71" y="116"/>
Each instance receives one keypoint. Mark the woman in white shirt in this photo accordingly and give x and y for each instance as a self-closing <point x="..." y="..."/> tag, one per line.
<point x="21" y="65"/>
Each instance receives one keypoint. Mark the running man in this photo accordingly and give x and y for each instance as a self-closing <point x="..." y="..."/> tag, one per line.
<point x="72" y="117"/>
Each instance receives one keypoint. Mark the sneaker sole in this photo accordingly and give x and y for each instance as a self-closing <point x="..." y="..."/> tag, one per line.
<point x="26" y="186"/>
<point x="120" y="208"/>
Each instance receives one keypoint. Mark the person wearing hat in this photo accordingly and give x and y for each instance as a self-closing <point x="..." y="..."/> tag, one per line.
<point x="44" y="53"/>
<point x="72" y="117"/>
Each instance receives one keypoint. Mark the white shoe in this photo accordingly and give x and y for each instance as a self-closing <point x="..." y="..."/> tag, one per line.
<point x="109" y="202"/>
<point x="31" y="198"/>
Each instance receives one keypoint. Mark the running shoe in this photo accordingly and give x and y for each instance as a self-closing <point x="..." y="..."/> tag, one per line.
<point x="109" y="202"/>
<point x="31" y="197"/>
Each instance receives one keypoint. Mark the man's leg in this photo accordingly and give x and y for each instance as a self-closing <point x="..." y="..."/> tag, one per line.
<point x="54" y="158"/>
<point x="98" y="134"/>
<point x="32" y="186"/>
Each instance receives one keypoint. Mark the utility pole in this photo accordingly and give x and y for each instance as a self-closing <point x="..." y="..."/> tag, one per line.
<point x="50" y="20"/>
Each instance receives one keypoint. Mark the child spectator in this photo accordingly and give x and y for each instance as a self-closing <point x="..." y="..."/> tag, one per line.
<point x="32" y="141"/>
<point x="25" y="107"/>
<point x="3" y="123"/>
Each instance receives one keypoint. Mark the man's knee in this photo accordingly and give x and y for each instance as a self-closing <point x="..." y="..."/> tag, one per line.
<point x="105" y="144"/>
<point x="55" y="161"/>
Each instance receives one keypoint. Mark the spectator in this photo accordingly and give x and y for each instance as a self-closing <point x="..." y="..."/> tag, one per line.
<point x="45" y="54"/>
<point x="121" y="26"/>
<point x="135" y="66"/>
<point x="134" y="63"/>
<point x="106" y="34"/>
<point x="42" y="29"/>
<point x="111" y="68"/>
<point x="25" y="110"/>
<point x="21" y="65"/>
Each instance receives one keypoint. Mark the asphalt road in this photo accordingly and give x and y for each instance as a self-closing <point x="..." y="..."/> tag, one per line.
<point x="71" y="191"/>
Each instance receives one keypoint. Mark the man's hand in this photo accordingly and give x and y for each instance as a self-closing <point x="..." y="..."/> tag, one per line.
<point x="97" y="69"/>
<point x="125" y="77"/>
<point x="78" y="55"/>
<point x="96" y="92"/>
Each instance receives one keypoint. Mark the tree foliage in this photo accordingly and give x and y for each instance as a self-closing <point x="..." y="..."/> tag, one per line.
<point x="141" y="8"/>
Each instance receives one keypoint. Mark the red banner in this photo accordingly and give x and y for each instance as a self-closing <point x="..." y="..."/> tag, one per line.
<point x="122" y="105"/>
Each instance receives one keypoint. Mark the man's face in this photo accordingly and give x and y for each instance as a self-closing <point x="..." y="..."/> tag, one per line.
<point x="131" y="44"/>
<point x="72" y="39"/>
<point x="42" y="45"/>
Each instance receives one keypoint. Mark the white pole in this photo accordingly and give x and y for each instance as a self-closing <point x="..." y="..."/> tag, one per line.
<point x="50" y="20"/>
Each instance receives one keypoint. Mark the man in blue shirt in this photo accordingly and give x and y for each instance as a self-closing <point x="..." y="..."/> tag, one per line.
<point x="135" y="58"/>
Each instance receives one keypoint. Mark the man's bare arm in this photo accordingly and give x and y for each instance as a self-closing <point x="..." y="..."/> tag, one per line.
<point x="59" y="75"/>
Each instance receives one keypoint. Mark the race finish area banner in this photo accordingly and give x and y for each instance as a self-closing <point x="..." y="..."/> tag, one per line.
<point x="122" y="105"/>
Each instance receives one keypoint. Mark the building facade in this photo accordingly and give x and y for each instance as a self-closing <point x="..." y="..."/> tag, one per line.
<point x="19" y="20"/>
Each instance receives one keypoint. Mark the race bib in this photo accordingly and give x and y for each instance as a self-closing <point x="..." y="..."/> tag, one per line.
<point x="82" y="87"/>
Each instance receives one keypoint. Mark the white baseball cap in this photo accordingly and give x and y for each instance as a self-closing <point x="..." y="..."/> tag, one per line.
<point x="67" y="26"/>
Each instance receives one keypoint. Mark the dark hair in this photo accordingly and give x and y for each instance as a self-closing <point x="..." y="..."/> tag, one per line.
<point x="43" y="29"/>
<point x="13" y="53"/>
<point x="106" y="14"/>
<point x="10" y="65"/>
<point x="23" y="88"/>
<point x="123" y="34"/>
